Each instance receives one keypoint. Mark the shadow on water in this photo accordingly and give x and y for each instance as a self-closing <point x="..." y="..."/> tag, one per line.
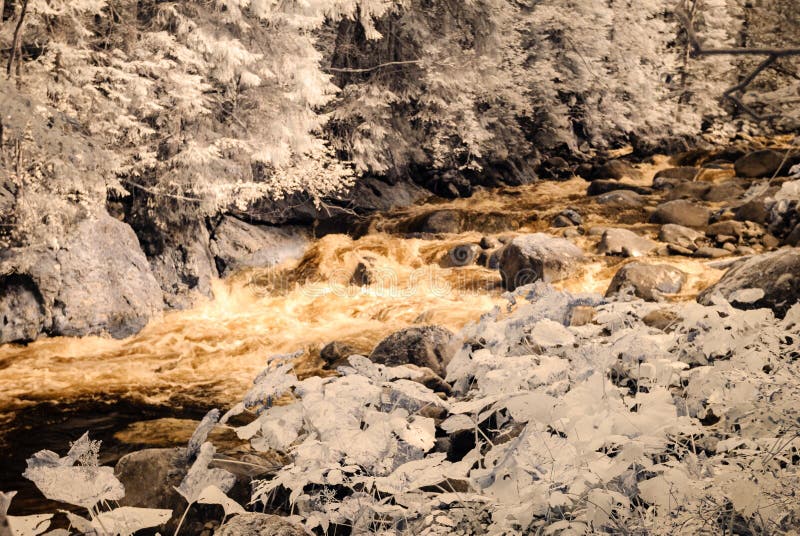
<point x="53" y="426"/>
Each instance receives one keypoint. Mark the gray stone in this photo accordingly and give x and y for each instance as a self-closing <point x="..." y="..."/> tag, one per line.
<point x="236" y="245"/>
<point x="336" y="352"/>
<point x="681" y="212"/>
<point x="647" y="281"/>
<point x="21" y="309"/>
<point x="678" y="235"/>
<point x="424" y="346"/>
<point x="711" y="253"/>
<point x="257" y="524"/>
<point x="736" y="229"/>
<point x="185" y="267"/>
<point x="532" y="257"/>
<point x="461" y="255"/>
<point x="759" y="163"/>
<point x="682" y="173"/>
<point x="150" y="477"/>
<point x="625" y="243"/>
<point x="726" y="191"/>
<point x="776" y="273"/>
<point x="97" y="281"/>
<point x="604" y="186"/>
<point x="441" y="221"/>
<point x="621" y="199"/>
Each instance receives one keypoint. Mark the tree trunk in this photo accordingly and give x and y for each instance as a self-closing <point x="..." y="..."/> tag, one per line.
<point x="16" y="43"/>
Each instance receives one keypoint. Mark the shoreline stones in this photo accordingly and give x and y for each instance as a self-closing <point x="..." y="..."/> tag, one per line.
<point x="777" y="274"/>
<point x="537" y="256"/>
<point x="424" y="346"/>
<point x="647" y="281"/>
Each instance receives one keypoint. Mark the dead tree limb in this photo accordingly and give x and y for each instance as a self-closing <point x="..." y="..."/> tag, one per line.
<point x="736" y="92"/>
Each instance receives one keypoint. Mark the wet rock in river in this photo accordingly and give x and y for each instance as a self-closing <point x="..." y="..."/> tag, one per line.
<point x="424" y="346"/>
<point x="612" y="169"/>
<point x="777" y="274"/>
<point x="682" y="173"/>
<point x="647" y="281"/>
<point x="603" y="186"/>
<point x="683" y="237"/>
<point x="336" y="352"/>
<point x="625" y="243"/>
<point x="537" y="256"/>
<point x="711" y="253"/>
<point x="21" y="309"/>
<point x="567" y="218"/>
<point x="739" y="231"/>
<point x="97" y="281"/>
<point x="236" y="244"/>
<point x="765" y="163"/>
<point x="725" y="191"/>
<point x="621" y="199"/>
<point x="681" y="212"/>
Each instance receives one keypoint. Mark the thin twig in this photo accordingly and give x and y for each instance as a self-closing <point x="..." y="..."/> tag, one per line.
<point x="369" y="69"/>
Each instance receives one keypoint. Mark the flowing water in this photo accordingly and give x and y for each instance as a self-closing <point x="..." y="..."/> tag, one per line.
<point x="139" y="391"/>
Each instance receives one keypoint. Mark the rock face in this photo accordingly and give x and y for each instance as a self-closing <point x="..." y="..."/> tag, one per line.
<point x="256" y="524"/>
<point x="98" y="281"/>
<point x="648" y="281"/>
<point x="532" y="257"/>
<point x="21" y="309"/>
<point x="625" y="243"/>
<point x="236" y="245"/>
<point x="185" y="267"/>
<point x="425" y="346"/>
<point x="681" y="212"/>
<point x="776" y="274"/>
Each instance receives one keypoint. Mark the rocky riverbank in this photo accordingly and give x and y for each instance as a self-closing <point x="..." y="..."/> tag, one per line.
<point x="646" y="239"/>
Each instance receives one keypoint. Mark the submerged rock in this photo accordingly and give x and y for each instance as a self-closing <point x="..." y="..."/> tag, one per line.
<point x="425" y="346"/>
<point x="777" y="274"/>
<point x="621" y="199"/>
<point x="98" y="281"/>
<point x="532" y="257"/>
<point x="603" y="186"/>
<point x="647" y="281"/>
<point x="625" y="243"/>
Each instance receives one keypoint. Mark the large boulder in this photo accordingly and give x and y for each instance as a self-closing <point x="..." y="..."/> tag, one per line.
<point x="647" y="281"/>
<point x="681" y="212"/>
<point x="257" y="524"/>
<point x="236" y="245"/>
<point x="765" y="163"/>
<point x="97" y="281"/>
<point x="625" y="243"/>
<point x="771" y="280"/>
<point x="150" y="477"/>
<point x="536" y="256"/>
<point x="424" y="346"/>
<point x="184" y="266"/>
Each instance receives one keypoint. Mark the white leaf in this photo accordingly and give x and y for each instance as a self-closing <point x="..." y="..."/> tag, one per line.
<point x="128" y="520"/>
<point x="214" y="495"/>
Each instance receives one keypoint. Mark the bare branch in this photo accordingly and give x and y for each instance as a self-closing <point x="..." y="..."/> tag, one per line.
<point x="736" y="93"/>
<point x="369" y="69"/>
